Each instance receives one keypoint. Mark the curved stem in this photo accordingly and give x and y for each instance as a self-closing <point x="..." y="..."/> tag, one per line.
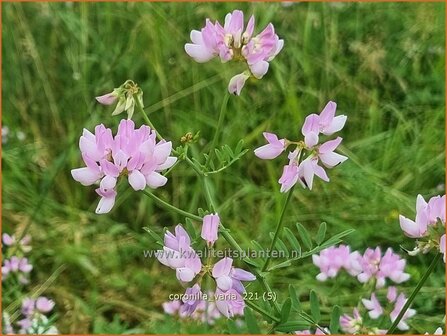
<point x="168" y="206"/>
<point x="278" y="228"/>
<point x="145" y="116"/>
<point x="414" y="293"/>
<point x="223" y="110"/>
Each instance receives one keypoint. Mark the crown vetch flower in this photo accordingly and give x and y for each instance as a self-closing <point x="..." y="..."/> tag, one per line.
<point x="427" y="214"/>
<point x="428" y="226"/>
<point x="134" y="153"/>
<point x="304" y="160"/>
<point x="232" y="42"/>
<point x="210" y="228"/>
<point x="178" y="254"/>
<point x="326" y="122"/>
<point x="371" y="265"/>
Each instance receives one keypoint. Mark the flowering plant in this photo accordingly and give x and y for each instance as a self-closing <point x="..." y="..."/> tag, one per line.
<point x="214" y="288"/>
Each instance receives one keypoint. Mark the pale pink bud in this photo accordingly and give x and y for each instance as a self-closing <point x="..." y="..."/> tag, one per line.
<point x="210" y="227"/>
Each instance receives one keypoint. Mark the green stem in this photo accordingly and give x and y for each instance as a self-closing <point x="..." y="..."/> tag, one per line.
<point x="145" y="116"/>
<point x="278" y="228"/>
<point x="414" y="293"/>
<point x="168" y="206"/>
<point x="223" y="110"/>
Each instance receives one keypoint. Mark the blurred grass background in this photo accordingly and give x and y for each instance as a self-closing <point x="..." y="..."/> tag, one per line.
<point x="383" y="63"/>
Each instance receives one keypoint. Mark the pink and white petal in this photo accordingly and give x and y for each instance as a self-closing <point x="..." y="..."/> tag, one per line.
<point x="107" y="183"/>
<point x="222" y="267"/>
<point x="199" y="53"/>
<point x="170" y="161"/>
<point x="224" y="282"/>
<point x="162" y="151"/>
<point x="196" y="37"/>
<point x="268" y="152"/>
<point x="90" y="148"/>
<point x="185" y="274"/>
<point x="250" y="28"/>
<point x="311" y="139"/>
<point x="240" y="274"/>
<point x="85" y="176"/>
<point x="109" y="168"/>
<point x="259" y="69"/>
<point x="410" y="228"/>
<point x="321" y="173"/>
<point x="336" y="125"/>
<point x="105" y="205"/>
<point x="330" y="146"/>
<point x="137" y="180"/>
<point x="332" y="159"/>
<point x="311" y="124"/>
<point x="237" y="83"/>
<point x="307" y="172"/>
<point x="155" y="180"/>
<point x="328" y="113"/>
<point x="107" y="99"/>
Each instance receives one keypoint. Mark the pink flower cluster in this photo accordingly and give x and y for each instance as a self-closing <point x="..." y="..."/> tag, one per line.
<point x="34" y="320"/>
<point x="33" y="311"/>
<point x="17" y="265"/>
<point x="233" y="41"/>
<point x="179" y="255"/>
<point x="304" y="160"/>
<point x="375" y="309"/>
<point x="22" y="244"/>
<point x="429" y="223"/>
<point x="371" y="266"/>
<point x="134" y="153"/>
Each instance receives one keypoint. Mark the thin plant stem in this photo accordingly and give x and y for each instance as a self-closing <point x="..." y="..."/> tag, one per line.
<point x="168" y="206"/>
<point x="223" y="110"/>
<point x="414" y="293"/>
<point x="278" y="227"/>
<point x="145" y="116"/>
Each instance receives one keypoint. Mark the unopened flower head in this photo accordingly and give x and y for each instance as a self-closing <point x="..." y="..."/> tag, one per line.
<point x="210" y="228"/>
<point x="132" y="153"/>
<point x="234" y="41"/>
<point x="351" y="324"/>
<point x="309" y="156"/>
<point x="127" y="95"/>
